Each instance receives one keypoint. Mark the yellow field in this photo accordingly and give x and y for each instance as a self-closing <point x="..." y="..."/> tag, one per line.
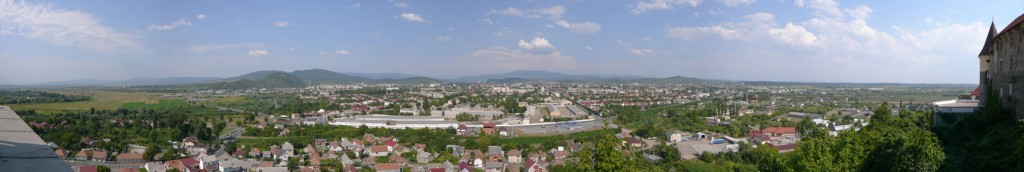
<point x="100" y="100"/>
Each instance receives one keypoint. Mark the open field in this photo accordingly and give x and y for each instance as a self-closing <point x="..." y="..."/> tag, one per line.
<point x="164" y="104"/>
<point x="100" y="100"/>
<point x="232" y="99"/>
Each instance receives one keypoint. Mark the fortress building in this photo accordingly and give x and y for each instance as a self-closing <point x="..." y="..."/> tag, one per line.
<point x="1001" y="71"/>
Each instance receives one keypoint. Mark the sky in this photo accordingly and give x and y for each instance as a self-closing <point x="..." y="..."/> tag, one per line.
<point x="914" y="41"/>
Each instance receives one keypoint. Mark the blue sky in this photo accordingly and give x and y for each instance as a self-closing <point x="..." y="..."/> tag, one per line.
<point x="768" y="40"/>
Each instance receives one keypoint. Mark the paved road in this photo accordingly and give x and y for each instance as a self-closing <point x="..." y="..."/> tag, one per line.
<point x="114" y="166"/>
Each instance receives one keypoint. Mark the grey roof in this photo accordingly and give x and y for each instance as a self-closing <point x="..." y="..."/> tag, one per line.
<point x="987" y="49"/>
<point x="495" y="150"/>
<point x="21" y="149"/>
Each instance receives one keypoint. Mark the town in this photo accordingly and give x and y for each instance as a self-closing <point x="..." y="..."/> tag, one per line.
<point x="510" y="86"/>
<point x="529" y="126"/>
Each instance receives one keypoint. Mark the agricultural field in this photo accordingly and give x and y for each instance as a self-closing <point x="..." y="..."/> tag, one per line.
<point x="164" y="104"/>
<point x="100" y="100"/>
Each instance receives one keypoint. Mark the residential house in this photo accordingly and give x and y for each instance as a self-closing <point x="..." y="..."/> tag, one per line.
<point x="633" y="142"/>
<point x="255" y="152"/>
<point x="189" y="141"/>
<point x="335" y="146"/>
<point x="61" y="153"/>
<point x="206" y="161"/>
<point x="495" y="154"/>
<point x="378" y="150"/>
<point x="99" y="156"/>
<point x="504" y="132"/>
<point x="489" y="128"/>
<point x="494" y="167"/>
<point x="423" y="156"/>
<point x="515" y="156"/>
<point x="674" y="136"/>
<point x="82" y="155"/>
<point x="184" y="164"/>
<point x="462" y="130"/>
<point x="533" y="166"/>
<point x="398" y="159"/>
<point x="155" y="167"/>
<point x="288" y="148"/>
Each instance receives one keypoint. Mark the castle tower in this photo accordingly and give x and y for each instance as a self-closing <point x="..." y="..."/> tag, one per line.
<point x="985" y="60"/>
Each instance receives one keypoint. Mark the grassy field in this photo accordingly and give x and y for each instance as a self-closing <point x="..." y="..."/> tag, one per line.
<point x="164" y="104"/>
<point x="100" y="100"/>
<point x="226" y="100"/>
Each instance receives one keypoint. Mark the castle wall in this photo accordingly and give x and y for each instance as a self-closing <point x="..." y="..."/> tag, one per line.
<point x="1007" y="70"/>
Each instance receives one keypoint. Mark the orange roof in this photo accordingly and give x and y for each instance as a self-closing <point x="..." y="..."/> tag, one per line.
<point x="779" y="130"/>
<point x="387" y="166"/>
<point x="378" y="148"/>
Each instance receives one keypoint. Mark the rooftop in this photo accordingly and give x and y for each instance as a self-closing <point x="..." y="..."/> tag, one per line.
<point x="21" y="149"/>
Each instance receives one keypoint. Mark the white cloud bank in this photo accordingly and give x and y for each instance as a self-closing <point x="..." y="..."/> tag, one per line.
<point x="62" y="27"/>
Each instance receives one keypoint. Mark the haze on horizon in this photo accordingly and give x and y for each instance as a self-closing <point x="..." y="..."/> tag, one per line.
<point x="802" y="40"/>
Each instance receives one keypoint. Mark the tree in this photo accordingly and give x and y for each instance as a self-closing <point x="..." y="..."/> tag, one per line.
<point x="101" y="168"/>
<point x="151" y="151"/>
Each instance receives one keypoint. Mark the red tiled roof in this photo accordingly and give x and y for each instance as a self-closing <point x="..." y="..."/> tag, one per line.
<point x="387" y="166"/>
<point x="977" y="91"/>
<point x="1012" y="25"/>
<point x="87" y="169"/>
<point x="378" y="148"/>
<point x="779" y="130"/>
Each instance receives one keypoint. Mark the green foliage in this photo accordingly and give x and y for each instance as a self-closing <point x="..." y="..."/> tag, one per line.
<point x="102" y="168"/>
<point x="143" y="126"/>
<point x="988" y="140"/>
<point x="28" y="96"/>
<point x="466" y="117"/>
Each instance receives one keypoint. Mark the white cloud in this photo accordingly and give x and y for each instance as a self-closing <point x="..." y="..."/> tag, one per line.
<point x="443" y="38"/>
<point x="201" y="17"/>
<point x="411" y="17"/>
<point x="62" y="27"/>
<point x="172" y="25"/>
<point x="356" y="5"/>
<point x="733" y="3"/>
<point x="589" y="48"/>
<point x="282" y="23"/>
<point x="487" y="21"/>
<point x="510" y="11"/>
<point x="258" y="52"/>
<point x="216" y="47"/>
<point x="859" y="12"/>
<point x="640" y="52"/>
<point x="581" y="28"/>
<point x="650" y="5"/>
<point x="401" y="5"/>
<point x="690" y="33"/>
<point x="825" y="7"/>
<point x="341" y="52"/>
<point x="793" y="35"/>
<point x="502" y="59"/>
<point x="928" y="20"/>
<point x="537" y="43"/>
<point x="553" y="13"/>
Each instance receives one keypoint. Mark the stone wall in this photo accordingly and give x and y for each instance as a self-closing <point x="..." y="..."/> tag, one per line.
<point x="1007" y="68"/>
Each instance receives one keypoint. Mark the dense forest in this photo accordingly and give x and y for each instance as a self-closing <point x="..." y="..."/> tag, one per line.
<point x="28" y="96"/>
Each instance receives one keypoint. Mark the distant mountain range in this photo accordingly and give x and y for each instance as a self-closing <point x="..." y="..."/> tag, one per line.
<point x="300" y="78"/>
